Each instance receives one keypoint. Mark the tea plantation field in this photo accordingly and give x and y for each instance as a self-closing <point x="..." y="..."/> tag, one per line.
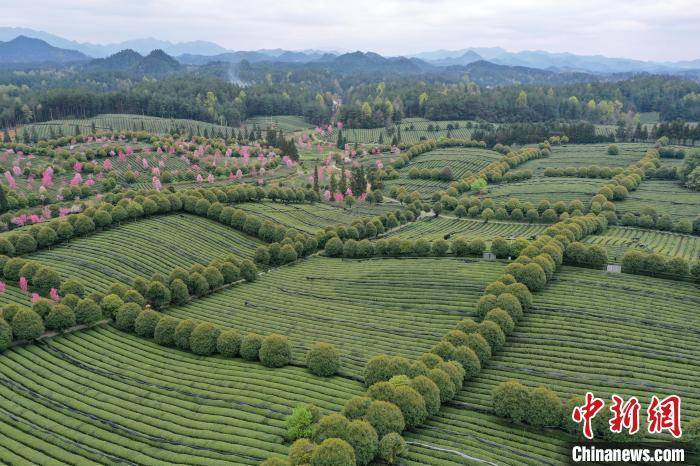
<point x="106" y="397"/>
<point x="585" y="333"/>
<point x="156" y="244"/>
<point x="364" y="307"/>
<point x="618" y="240"/>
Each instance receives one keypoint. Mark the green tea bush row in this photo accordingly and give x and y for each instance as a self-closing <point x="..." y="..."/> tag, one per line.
<point x="650" y="263"/>
<point x="592" y="171"/>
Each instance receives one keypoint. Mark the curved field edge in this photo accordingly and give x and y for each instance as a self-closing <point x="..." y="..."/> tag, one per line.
<point x="363" y="307"/>
<point x="105" y="397"/>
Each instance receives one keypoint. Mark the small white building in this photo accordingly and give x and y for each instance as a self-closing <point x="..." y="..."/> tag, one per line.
<point x="489" y="256"/>
<point x="614" y="268"/>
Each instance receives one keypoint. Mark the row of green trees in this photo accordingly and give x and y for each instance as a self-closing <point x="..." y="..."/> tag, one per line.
<point x="653" y="264"/>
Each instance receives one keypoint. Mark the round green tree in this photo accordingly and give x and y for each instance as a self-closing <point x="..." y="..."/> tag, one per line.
<point x="183" y="332"/>
<point x="5" y="335"/>
<point x="363" y="439"/>
<point x="510" y="400"/>
<point x="300" y="452"/>
<point x="333" y="452"/>
<point x="323" y="359"/>
<point x="385" y="417"/>
<point x="228" y="343"/>
<point x="27" y="325"/>
<point x="146" y="322"/>
<point x="60" y="317"/>
<point x="356" y="407"/>
<point x="250" y="346"/>
<point x="87" y="311"/>
<point x="164" y="333"/>
<point x="126" y="315"/>
<point x="391" y="447"/>
<point x="275" y="351"/>
<point x="203" y="339"/>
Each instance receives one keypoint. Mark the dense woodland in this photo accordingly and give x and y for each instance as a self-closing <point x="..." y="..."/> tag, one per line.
<point x="228" y="94"/>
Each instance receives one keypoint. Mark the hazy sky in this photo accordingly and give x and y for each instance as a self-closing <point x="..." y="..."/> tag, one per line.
<point x="650" y="30"/>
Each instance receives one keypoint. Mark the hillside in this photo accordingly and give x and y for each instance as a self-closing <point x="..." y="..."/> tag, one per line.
<point x="24" y="50"/>
<point x="156" y="63"/>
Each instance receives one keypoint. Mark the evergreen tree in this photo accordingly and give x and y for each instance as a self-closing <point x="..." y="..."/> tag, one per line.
<point x="343" y="180"/>
<point x="341" y="140"/>
<point x="316" y="186"/>
<point x="3" y="199"/>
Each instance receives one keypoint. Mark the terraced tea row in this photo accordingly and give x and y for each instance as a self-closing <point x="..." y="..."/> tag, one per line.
<point x="138" y="249"/>
<point x="399" y="306"/>
<point x="618" y="240"/>
<point x="553" y="189"/>
<point x="583" y="155"/>
<point x="444" y="227"/>
<point x="310" y="218"/>
<point x="105" y="397"/>
<point x="458" y="159"/>
<point x="667" y="197"/>
<point x="123" y="122"/>
<point x="459" y="435"/>
<point x="607" y="333"/>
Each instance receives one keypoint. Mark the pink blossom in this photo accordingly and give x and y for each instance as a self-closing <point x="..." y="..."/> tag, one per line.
<point x="10" y="180"/>
<point x="339" y="125"/>
<point x="90" y="181"/>
<point x="239" y="174"/>
<point x="229" y="152"/>
<point x="2" y="287"/>
<point x="53" y="294"/>
<point x="199" y="178"/>
<point x="23" y="284"/>
<point x="35" y="297"/>
<point x="210" y="178"/>
<point x="380" y="165"/>
<point x="107" y="164"/>
<point x="155" y="171"/>
<point x="16" y="170"/>
<point x="159" y="151"/>
<point x="144" y="163"/>
<point x="20" y="220"/>
<point x="122" y="156"/>
<point x="338" y="197"/>
<point x="362" y="197"/>
<point x="77" y="179"/>
<point x="231" y="176"/>
<point x="156" y="183"/>
<point x="77" y="166"/>
<point x="327" y="195"/>
<point x="348" y="192"/>
<point x="129" y="150"/>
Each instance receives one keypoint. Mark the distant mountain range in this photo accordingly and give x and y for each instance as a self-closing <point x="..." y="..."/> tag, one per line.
<point x="27" y="46"/>
<point x="142" y="46"/>
<point x="559" y="61"/>
<point x="23" y="49"/>
<point x="156" y="63"/>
